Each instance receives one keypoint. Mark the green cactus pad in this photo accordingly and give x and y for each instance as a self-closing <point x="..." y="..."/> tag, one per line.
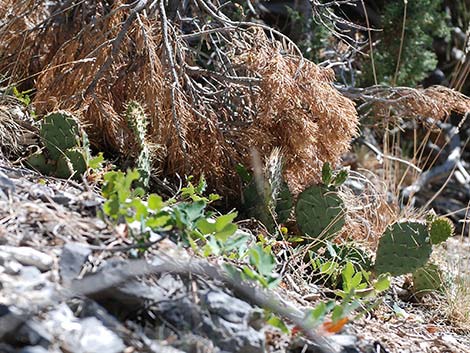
<point x="320" y="212"/>
<point x="427" y="278"/>
<point x="403" y="248"/>
<point x="78" y="160"/>
<point x="72" y="163"/>
<point x="59" y="132"/>
<point x="137" y="122"/>
<point x="144" y="166"/>
<point x="38" y="162"/>
<point x="283" y="203"/>
<point x="440" y="230"/>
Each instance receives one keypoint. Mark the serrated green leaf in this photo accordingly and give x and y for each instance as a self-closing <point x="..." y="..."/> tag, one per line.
<point x="155" y="202"/>
<point x="222" y="221"/>
<point x="158" y="221"/>
<point x="206" y="225"/>
<point x="96" y="162"/>
<point x="382" y="283"/>
<point x="278" y="323"/>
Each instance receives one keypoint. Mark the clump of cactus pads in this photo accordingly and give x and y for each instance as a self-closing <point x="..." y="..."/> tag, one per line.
<point x="67" y="150"/>
<point x="61" y="131"/>
<point x="137" y="121"/>
<point x="403" y="248"/>
<point x="440" y="229"/>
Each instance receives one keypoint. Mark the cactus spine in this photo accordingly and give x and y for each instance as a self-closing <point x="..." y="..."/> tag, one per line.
<point x="137" y="121"/>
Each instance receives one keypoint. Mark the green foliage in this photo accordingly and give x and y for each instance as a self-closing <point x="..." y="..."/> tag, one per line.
<point x="311" y="37"/>
<point x="403" y="248"/>
<point x="67" y="152"/>
<point x="187" y="219"/>
<point x="346" y="268"/>
<point x="23" y="97"/>
<point x="424" y="19"/>
<point x="137" y="121"/>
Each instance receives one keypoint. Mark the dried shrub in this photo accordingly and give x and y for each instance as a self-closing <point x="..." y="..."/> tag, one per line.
<point x="201" y="121"/>
<point x="435" y="102"/>
<point x="299" y="110"/>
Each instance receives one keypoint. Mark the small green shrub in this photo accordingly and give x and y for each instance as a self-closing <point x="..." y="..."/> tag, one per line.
<point x="424" y="19"/>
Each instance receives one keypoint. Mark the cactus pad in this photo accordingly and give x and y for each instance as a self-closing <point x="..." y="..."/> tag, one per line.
<point x="403" y="248"/>
<point x="137" y="122"/>
<point x="72" y="163"/>
<point x="440" y="229"/>
<point x="427" y="278"/>
<point x="319" y="212"/>
<point x="283" y="203"/>
<point x="38" y="162"/>
<point x="59" y="132"/>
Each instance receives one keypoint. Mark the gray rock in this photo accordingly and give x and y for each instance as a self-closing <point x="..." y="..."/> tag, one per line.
<point x="10" y="319"/>
<point x="82" y="335"/>
<point x="72" y="258"/>
<point x="345" y="343"/>
<point x="34" y="349"/>
<point x="28" y="256"/>
<point x="34" y="334"/>
<point x="12" y="267"/>
<point x="228" y="324"/>
<point x="229" y="308"/>
<point x="7" y="187"/>
<point x="95" y="338"/>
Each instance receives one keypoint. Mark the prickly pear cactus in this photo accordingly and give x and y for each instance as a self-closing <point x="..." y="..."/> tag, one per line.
<point x="440" y="229"/>
<point x="67" y="149"/>
<point x="427" y="278"/>
<point x="267" y="197"/>
<point x="320" y="212"/>
<point x="59" y="132"/>
<point x="283" y="207"/>
<point x="137" y="121"/>
<point x="403" y="248"/>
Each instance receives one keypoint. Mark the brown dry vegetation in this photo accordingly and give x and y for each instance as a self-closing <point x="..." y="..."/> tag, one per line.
<point x="274" y="98"/>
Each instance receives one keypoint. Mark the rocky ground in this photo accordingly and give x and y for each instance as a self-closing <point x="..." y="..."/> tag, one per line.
<point x="68" y="284"/>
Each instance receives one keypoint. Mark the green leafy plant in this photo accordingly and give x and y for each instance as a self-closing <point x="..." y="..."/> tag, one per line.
<point x="187" y="217"/>
<point x="406" y="59"/>
<point x="23" y="96"/>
